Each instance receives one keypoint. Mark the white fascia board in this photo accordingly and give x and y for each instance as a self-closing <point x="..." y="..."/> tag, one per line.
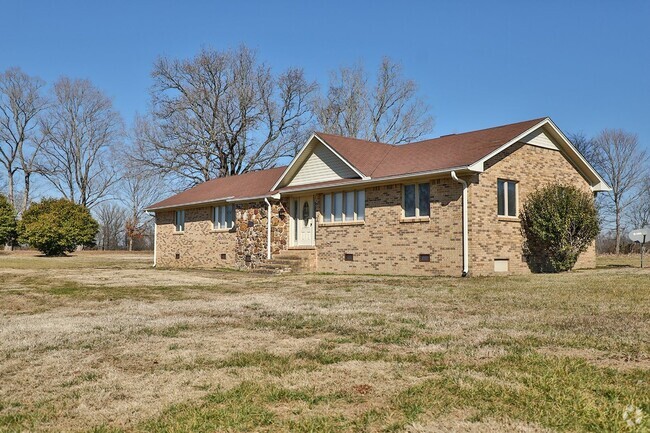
<point x="361" y="175"/>
<point x="190" y="204"/>
<point x="298" y="156"/>
<point x="293" y="162"/>
<point x="374" y="180"/>
<point x="602" y="184"/>
<point x="479" y="165"/>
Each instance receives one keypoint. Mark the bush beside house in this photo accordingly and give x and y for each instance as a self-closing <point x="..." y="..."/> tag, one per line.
<point x="559" y="222"/>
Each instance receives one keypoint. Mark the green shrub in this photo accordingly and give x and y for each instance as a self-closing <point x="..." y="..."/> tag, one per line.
<point x="7" y="221"/>
<point x="57" y="226"/>
<point x="558" y="222"/>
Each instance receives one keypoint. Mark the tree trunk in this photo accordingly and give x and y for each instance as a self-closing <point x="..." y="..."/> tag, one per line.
<point x="618" y="231"/>
<point x="10" y="187"/>
<point x="26" y="192"/>
<point x="130" y="243"/>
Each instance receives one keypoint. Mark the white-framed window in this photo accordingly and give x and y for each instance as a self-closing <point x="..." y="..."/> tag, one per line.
<point x="348" y="206"/>
<point x="223" y="217"/>
<point x="179" y="220"/>
<point x="415" y="200"/>
<point x="506" y="198"/>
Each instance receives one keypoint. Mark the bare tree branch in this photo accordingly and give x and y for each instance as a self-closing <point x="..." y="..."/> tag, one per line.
<point x="82" y="132"/>
<point x="220" y="114"/>
<point x="389" y="112"/>
<point x="21" y="102"/>
<point x="623" y="164"/>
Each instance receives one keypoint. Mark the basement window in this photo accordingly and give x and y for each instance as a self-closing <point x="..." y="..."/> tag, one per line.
<point x="349" y="257"/>
<point x="223" y="256"/>
<point x="425" y="257"/>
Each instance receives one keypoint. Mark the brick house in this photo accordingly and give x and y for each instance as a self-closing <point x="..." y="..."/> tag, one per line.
<point x="445" y="206"/>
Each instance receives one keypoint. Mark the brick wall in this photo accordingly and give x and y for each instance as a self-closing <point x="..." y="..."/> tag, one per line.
<point x="384" y="245"/>
<point x="200" y="246"/>
<point x="491" y="237"/>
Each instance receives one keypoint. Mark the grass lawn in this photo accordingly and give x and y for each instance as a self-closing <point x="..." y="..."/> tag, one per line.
<point x="104" y="343"/>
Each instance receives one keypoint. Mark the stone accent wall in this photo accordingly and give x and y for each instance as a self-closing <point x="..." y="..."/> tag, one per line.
<point x="492" y="237"/>
<point x="252" y="232"/>
<point x="385" y="244"/>
<point x="201" y="246"/>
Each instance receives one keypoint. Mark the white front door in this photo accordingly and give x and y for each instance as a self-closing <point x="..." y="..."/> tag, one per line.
<point x="303" y="221"/>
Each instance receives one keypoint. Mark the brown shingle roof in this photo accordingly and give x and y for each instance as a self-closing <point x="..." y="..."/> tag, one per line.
<point x="372" y="159"/>
<point x="449" y="151"/>
<point x="251" y="184"/>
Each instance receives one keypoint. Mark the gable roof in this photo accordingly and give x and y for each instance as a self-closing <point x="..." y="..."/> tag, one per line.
<point x="374" y="161"/>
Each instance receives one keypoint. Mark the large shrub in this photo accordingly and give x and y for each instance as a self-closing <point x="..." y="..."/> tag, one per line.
<point x="57" y="226"/>
<point x="558" y="223"/>
<point x="7" y="221"/>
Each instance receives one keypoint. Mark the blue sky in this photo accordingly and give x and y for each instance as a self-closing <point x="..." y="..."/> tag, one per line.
<point x="584" y="63"/>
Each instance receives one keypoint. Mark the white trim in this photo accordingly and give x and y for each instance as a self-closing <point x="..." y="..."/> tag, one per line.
<point x="601" y="185"/>
<point x="478" y="165"/>
<point x="155" y="240"/>
<point x="268" y="229"/>
<point x="354" y="183"/>
<point x="465" y="224"/>
<point x="192" y="203"/>
<point x="298" y="156"/>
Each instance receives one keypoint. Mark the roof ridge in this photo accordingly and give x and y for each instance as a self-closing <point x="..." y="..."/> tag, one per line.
<point x="354" y="138"/>
<point x="478" y="130"/>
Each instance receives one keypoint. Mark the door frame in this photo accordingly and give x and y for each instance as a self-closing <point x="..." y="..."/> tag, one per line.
<point x="296" y="205"/>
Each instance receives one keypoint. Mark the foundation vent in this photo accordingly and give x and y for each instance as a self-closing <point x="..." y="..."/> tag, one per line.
<point x="501" y="265"/>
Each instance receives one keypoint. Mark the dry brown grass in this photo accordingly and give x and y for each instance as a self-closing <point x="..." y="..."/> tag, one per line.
<point x="104" y="342"/>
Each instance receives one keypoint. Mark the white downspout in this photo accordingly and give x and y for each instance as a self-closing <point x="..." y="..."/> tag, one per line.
<point x="155" y="236"/>
<point x="465" y="228"/>
<point x="268" y="228"/>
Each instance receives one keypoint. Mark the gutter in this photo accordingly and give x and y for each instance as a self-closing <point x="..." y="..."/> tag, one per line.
<point x="465" y="225"/>
<point x="374" y="180"/>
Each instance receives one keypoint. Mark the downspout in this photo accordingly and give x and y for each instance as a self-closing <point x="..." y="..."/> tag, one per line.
<point x="465" y="226"/>
<point x="155" y="237"/>
<point x="268" y="228"/>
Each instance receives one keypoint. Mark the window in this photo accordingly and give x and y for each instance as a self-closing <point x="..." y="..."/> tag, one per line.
<point x="416" y="200"/>
<point x="346" y="206"/>
<point x="179" y="220"/>
<point x="506" y="198"/>
<point x="223" y="217"/>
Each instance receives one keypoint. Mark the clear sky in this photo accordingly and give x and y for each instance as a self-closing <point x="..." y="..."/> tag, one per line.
<point x="478" y="63"/>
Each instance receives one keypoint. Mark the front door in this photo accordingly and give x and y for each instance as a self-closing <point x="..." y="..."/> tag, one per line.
<point x="303" y="219"/>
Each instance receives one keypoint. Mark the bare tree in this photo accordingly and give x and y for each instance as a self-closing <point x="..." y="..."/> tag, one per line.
<point x="21" y="102"/>
<point x="619" y="158"/>
<point x="82" y="132"/>
<point x="388" y="111"/>
<point x="639" y="214"/>
<point x="220" y="114"/>
<point x="584" y="145"/>
<point x="138" y="190"/>
<point x="111" y="218"/>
